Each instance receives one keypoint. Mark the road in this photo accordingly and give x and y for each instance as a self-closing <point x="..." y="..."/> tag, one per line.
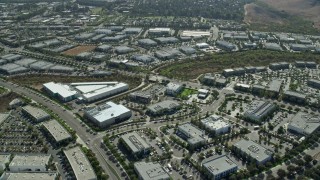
<point x="69" y="118"/>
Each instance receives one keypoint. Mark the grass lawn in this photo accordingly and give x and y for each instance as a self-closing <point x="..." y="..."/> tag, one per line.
<point x="187" y="92"/>
<point x="2" y="90"/>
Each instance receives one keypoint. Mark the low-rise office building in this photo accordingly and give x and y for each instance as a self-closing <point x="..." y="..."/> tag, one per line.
<point x="30" y="162"/>
<point x="150" y="171"/>
<point x="164" y="107"/>
<point x="56" y="131"/>
<point x="203" y="93"/>
<point x="79" y="163"/>
<point x="253" y="151"/>
<point x="159" y="31"/>
<point x="294" y="97"/>
<point x="216" y="124"/>
<point x="314" y="83"/>
<point x="258" y="110"/>
<point x="304" y="124"/>
<point x="29" y="176"/>
<point x="226" y="45"/>
<point x="37" y="114"/>
<point x="60" y="91"/>
<point x="173" y="89"/>
<point x="274" y="87"/>
<point x="193" y="135"/>
<point x="140" y="97"/>
<point x="258" y="89"/>
<point x="279" y="66"/>
<point x="219" y="167"/>
<point x="108" y="114"/>
<point x="135" y="144"/>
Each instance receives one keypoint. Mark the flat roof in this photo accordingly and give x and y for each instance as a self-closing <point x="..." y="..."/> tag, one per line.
<point x="30" y="176"/>
<point x="135" y="142"/>
<point x="58" y="132"/>
<point x="259" y="108"/>
<point x="168" y="104"/>
<point x="4" y="158"/>
<point x="173" y="86"/>
<point x="107" y="111"/>
<point x="63" y="90"/>
<point x="30" y="160"/>
<point x="35" y="112"/>
<point x="219" y="165"/>
<point x="195" y="33"/>
<point x="254" y="150"/>
<point x="215" y="122"/>
<point x="306" y="122"/>
<point x="92" y="89"/>
<point x="295" y="94"/>
<point x="275" y="85"/>
<point x="193" y="133"/>
<point x="151" y="171"/>
<point x="3" y="117"/>
<point x="80" y="164"/>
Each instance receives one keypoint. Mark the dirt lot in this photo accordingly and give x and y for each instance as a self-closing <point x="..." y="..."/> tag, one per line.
<point x="5" y="100"/>
<point x="79" y="49"/>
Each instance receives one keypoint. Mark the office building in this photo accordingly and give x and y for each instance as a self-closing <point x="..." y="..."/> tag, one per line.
<point x="56" y="131"/>
<point x="216" y="124"/>
<point x="257" y="111"/>
<point x="107" y="114"/>
<point x="30" y="162"/>
<point x="193" y="135"/>
<point x="293" y="96"/>
<point x="164" y="107"/>
<point x="150" y="171"/>
<point x="253" y="151"/>
<point x="79" y="163"/>
<point x="29" y="176"/>
<point x="36" y="114"/>
<point x="219" y="167"/>
<point x="314" y="83"/>
<point x="274" y="87"/>
<point x="304" y="124"/>
<point x="140" y="97"/>
<point x="226" y="45"/>
<point x="60" y="91"/>
<point x="135" y="144"/>
<point x="173" y="89"/>
<point x="203" y="93"/>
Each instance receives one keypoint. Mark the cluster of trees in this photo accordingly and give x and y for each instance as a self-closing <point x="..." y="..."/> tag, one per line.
<point x="192" y="68"/>
<point x="230" y="10"/>
<point x="95" y="164"/>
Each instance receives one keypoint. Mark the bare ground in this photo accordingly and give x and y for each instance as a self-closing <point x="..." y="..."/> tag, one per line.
<point x="257" y="14"/>
<point x="308" y="9"/>
<point x="79" y="49"/>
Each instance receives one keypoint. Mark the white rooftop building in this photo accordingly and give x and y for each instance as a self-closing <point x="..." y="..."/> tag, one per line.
<point x="61" y="91"/>
<point x="38" y="162"/>
<point x="80" y="164"/>
<point x="219" y="167"/>
<point x="216" y="123"/>
<point x="29" y="176"/>
<point x="173" y="89"/>
<point x="150" y="171"/>
<point x="92" y="91"/>
<point x="88" y="91"/>
<point x="108" y="113"/>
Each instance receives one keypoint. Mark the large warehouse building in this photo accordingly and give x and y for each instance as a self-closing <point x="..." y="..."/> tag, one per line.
<point x="88" y="91"/>
<point x="30" y="163"/>
<point x="107" y="114"/>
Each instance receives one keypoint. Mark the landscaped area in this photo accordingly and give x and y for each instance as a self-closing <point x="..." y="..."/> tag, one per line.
<point x="186" y="93"/>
